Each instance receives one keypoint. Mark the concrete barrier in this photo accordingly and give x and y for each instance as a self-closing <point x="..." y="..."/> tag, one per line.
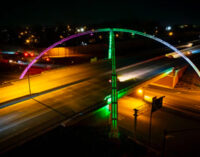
<point x="171" y="79"/>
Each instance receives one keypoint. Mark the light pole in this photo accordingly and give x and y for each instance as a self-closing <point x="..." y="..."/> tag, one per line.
<point x="29" y="85"/>
<point x="135" y="115"/>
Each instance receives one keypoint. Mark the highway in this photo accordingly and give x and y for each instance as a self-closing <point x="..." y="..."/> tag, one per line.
<point x="60" y="94"/>
<point x="62" y="77"/>
<point x="184" y="101"/>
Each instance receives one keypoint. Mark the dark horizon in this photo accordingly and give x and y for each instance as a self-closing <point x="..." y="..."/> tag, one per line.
<point x="98" y="12"/>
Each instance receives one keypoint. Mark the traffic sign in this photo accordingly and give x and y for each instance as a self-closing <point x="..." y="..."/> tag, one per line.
<point x="157" y="103"/>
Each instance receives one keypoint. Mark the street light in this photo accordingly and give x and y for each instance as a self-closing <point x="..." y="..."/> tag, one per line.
<point x="168" y="28"/>
<point x="140" y="91"/>
<point x="170" y="33"/>
<point x="27" y="41"/>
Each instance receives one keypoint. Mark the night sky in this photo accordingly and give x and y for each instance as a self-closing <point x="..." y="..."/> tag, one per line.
<point x="167" y="12"/>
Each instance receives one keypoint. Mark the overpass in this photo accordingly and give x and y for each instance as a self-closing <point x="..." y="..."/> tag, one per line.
<point x="60" y="95"/>
<point x="47" y="100"/>
<point x="112" y="56"/>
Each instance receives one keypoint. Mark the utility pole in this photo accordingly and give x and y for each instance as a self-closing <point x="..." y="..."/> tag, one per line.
<point x="150" y="121"/>
<point x="157" y="103"/>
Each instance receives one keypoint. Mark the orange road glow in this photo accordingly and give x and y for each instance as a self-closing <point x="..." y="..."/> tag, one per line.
<point x="148" y="98"/>
<point x="140" y="91"/>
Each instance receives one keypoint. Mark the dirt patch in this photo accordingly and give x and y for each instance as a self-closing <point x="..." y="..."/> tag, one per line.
<point x="189" y="81"/>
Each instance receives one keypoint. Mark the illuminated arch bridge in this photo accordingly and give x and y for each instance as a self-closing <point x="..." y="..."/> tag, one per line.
<point x="110" y="47"/>
<point x="111" y="55"/>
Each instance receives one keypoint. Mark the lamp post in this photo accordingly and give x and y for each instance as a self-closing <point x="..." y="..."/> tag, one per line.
<point x="29" y="85"/>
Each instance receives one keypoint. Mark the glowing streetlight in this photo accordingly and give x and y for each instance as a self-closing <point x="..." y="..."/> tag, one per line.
<point x="140" y="91"/>
<point x="168" y="28"/>
<point x="82" y="29"/>
<point x="170" y="33"/>
<point x="27" y="41"/>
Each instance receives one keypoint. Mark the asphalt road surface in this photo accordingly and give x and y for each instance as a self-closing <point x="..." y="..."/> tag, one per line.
<point x="62" y="94"/>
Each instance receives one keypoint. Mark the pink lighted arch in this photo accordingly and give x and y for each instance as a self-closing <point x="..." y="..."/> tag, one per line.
<point x="108" y="30"/>
<point x="50" y="47"/>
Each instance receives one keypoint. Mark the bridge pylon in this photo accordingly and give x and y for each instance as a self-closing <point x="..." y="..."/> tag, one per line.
<point x="114" y="99"/>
